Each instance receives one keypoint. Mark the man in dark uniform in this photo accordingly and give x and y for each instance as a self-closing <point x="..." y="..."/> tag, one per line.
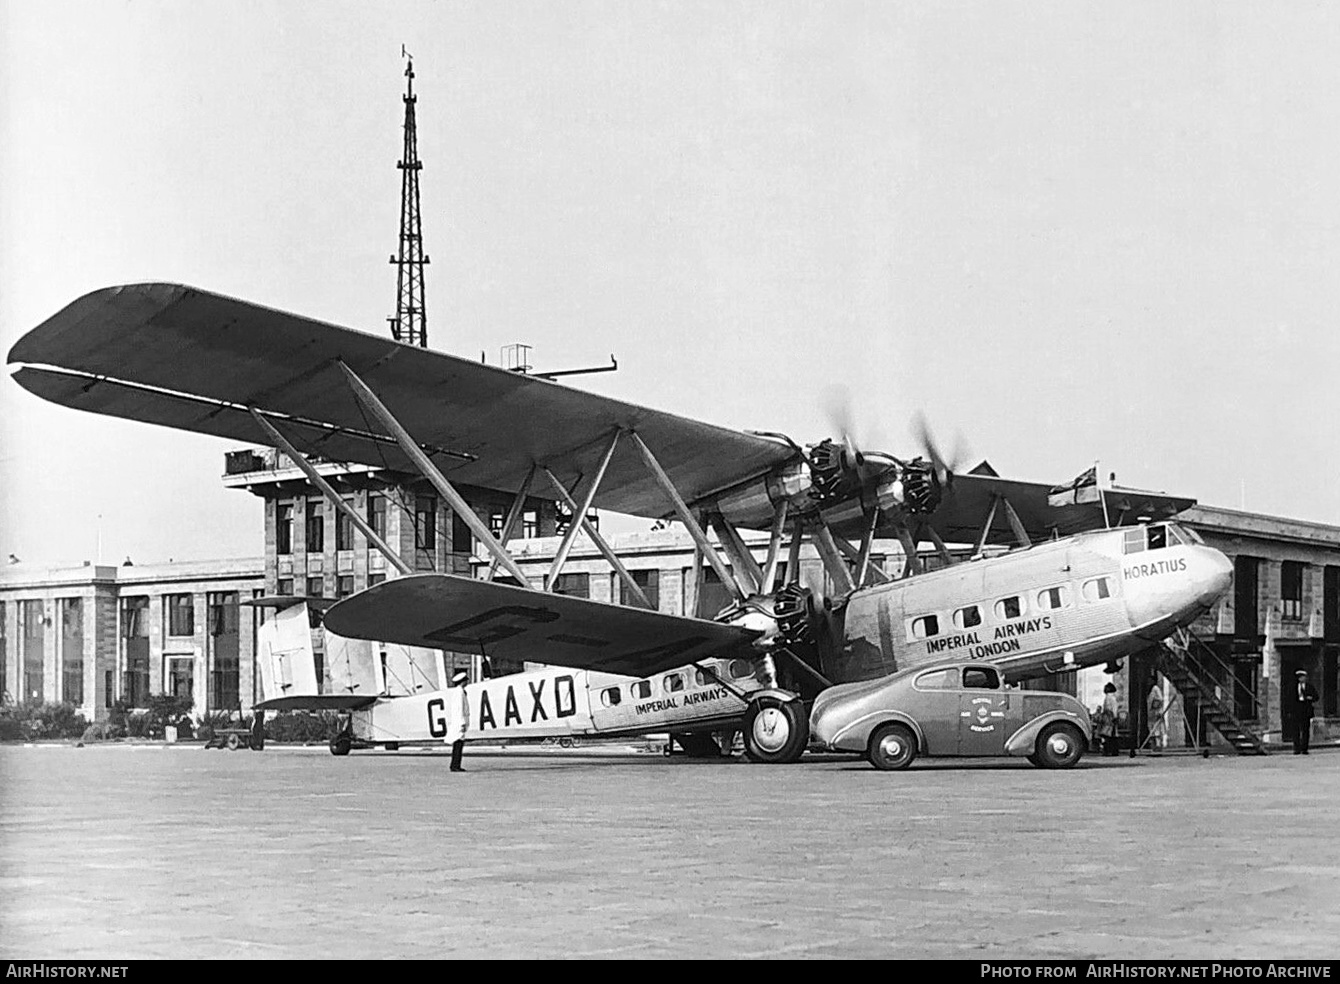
<point x="1302" y="713"/>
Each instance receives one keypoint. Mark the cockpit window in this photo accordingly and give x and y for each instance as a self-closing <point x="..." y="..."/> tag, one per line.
<point x="980" y="678"/>
<point x="1158" y="537"/>
<point x="1134" y="541"/>
<point x="1191" y="535"/>
<point x="1177" y="536"/>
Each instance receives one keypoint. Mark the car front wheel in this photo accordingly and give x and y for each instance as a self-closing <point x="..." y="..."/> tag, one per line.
<point x="892" y="746"/>
<point x="1059" y="747"/>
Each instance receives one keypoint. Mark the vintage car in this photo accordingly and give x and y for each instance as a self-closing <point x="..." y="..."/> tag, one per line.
<point x="961" y="708"/>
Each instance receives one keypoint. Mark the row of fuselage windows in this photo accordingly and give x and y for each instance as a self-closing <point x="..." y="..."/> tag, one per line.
<point x="677" y="682"/>
<point x="1008" y="609"/>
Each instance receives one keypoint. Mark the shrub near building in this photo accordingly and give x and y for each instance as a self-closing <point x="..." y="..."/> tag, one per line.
<point x="35" y="721"/>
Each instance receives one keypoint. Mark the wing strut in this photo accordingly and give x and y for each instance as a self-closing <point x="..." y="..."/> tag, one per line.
<point x="854" y="555"/>
<point x="579" y="514"/>
<point x="747" y="572"/>
<point x="335" y="498"/>
<point x="774" y="547"/>
<point x="686" y="517"/>
<point x="513" y="517"/>
<point x="434" y="475"/>
<point x="833" y="563"/>
<point x="601" y="545"/>
<point x="986" y="528"/>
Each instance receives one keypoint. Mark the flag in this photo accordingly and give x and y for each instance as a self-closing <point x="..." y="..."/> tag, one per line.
<point x="1084" y="488"/>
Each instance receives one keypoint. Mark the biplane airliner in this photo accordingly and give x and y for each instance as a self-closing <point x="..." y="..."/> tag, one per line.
<point x="1070" y="592"/>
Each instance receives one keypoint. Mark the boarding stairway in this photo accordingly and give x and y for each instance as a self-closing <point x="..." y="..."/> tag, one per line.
<point x="1193" y="667"/>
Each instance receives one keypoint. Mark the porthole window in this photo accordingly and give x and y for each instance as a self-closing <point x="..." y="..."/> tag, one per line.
<point x="740" y="668"/>
<point x="640" y="690"/>
<point x="703" y="679"/>
<point x="610" y="697"/>
<point x="1050" y="598"/>
<point x="1008" y="608"/>
<point x="967" y="618"/>
<point x="1098" y="589"/>
<point x="673" y="683"/>
<point x="925" y="627"/>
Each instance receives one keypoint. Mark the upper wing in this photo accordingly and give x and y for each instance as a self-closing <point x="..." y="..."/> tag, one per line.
<point x="966" y="506"/>
<point x="189" y="359"/>
<point x="442" y="611"/>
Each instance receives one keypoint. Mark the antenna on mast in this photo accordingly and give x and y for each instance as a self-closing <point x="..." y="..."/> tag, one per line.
<point x="410" y="324"/>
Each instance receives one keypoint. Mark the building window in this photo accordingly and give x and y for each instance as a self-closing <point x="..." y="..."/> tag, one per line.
<point x="284" y="586"/>
<point x="181" y="615"/>
<point x="377" y="513"/>
<point x="375" y="579"/>
<point x="425" y="533"/>
<point x="344" y="528"/>
<point x="462" y="540"/>
<point x="222" y="614"/>
<point x="316" y="526"/>
<point x="650" y="583"/>
<point x="284" y="528"/>
<point x="72" y="650"/>
<point x="1291" y="589"/>
<point x="344" y="586"/>
<point x="33" y="636"/>
<point x="713" y="596"/>
<point x="316" y="587"/>
<point x="135" y="640"/>
<point x="530" y="523"/>
<point x="4" y="658"/>
<point x="573" y="585"/>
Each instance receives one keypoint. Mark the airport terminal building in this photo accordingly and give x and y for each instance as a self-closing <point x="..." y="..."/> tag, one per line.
<point x="91" y="634"/>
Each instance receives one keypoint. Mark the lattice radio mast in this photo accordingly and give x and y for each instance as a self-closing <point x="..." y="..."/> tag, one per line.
<point x="410" y="324"/>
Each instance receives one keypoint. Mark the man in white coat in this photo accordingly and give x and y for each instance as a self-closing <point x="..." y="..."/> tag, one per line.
<point x="458" y="717"/>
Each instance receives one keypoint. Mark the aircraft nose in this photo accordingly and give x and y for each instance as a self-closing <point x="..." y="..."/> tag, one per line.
<point x="1214" y="576"/>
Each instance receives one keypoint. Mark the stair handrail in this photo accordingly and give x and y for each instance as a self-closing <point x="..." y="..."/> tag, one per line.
<point x="1203" y="658"/>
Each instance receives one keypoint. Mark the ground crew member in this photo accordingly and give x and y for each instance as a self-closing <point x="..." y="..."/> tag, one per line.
<point x="458" y="717"/>
<point x="1302" y="713"/>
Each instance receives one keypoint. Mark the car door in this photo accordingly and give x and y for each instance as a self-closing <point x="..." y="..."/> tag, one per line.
<point x="983" y="709"/>
<point x="935" y="709"/>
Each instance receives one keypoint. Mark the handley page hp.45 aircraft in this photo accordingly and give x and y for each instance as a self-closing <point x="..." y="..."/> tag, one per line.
<point x="189" y="359"/>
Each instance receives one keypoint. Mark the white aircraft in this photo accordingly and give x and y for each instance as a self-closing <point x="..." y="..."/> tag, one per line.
<point x="1069" y="595"/>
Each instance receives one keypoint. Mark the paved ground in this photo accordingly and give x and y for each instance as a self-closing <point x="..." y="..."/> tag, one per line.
<point x="153" y="851"/>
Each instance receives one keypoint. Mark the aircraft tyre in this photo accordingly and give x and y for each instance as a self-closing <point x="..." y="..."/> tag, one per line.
<point x="775" y="731"/>
<point x="341" y="743"/>
<point x="892" y="746"/>
<point x="1059" y="746"/>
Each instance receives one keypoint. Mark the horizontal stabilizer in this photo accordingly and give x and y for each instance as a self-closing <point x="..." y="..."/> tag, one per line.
<point x="316" y="702"/>
<point x="461" y="614"/>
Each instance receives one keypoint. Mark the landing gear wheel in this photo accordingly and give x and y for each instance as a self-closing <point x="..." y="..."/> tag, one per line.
<point x="1059" y="747"/>
<point x="775" y="731"/>
<point x="892" y="747"/>
<point x="341" y="743"/>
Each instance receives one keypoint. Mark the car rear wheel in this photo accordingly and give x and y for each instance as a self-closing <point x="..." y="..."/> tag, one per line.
<point x="1059" y="747"/>
<point x="892" y="746"/>
<point x="775" y="731"/>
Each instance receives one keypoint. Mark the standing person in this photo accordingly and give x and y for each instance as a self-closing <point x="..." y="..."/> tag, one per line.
<point x="458" y="717"/>
<point x="1154" y="705"/>
<point x="1302" y="713"/>
<point x="1107" y="724"/>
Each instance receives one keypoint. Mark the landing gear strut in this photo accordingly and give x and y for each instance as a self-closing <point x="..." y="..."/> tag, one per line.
<point x="776" y="731"/>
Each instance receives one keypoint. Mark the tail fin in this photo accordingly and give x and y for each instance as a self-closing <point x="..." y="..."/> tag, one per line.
<point x="288" y="667"/>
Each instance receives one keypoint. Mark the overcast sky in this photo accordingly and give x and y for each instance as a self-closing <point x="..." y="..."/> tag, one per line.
<point x="1064" y="231"/>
